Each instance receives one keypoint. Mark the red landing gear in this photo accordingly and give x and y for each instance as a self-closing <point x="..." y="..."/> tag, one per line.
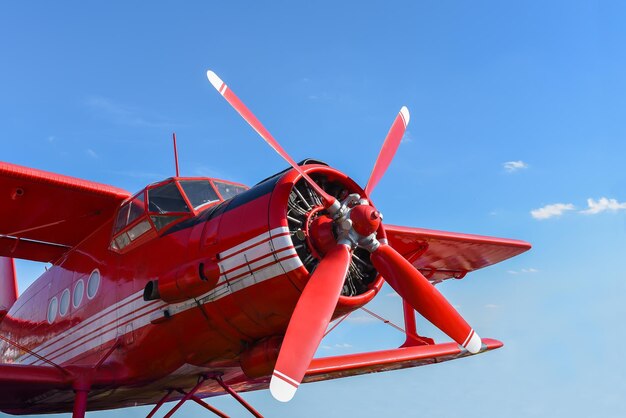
<point x="191" y="396"/>
<point x="81" y="391"/>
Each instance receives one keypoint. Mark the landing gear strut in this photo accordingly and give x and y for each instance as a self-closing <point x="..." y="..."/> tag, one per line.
<point x="191" y="396"/>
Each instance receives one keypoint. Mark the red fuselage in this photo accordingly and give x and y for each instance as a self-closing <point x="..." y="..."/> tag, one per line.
<point x="229" y="275"/>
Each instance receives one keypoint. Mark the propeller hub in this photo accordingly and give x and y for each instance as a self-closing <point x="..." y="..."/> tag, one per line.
<point x="365" y="219"/>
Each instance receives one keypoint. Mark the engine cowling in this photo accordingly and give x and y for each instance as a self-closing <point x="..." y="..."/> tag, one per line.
<point x="295" y="205"/>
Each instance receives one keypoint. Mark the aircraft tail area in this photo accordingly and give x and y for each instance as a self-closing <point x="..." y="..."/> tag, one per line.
<point x="8" y="284"/>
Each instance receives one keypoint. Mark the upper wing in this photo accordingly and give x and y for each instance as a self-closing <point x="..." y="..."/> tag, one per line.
<point x="43" y="214"/>
<point x="326" y="368"/>
<point x="443" y="255"/>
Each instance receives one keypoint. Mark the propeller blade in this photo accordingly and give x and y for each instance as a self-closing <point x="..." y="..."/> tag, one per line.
<point x="409" y="283"/>
<point x="249" y="117"/>
<point x="309" y="321"/>
<point x="389" y="148"/>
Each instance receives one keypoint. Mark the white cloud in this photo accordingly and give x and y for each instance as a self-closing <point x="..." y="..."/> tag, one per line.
<point x="550" y="211"/>
<point x="602" y="205"/>
<point x="91" y="153"/>
<point x="523" y="271"/>
<point x="336" y="346"/>
<point x="512" y="166"/>
<point x="407" y="138"/>
<point x="343" y="345"/>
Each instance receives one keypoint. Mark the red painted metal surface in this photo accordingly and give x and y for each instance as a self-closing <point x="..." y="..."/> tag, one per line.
<point x="387" y="360"/>
<point x="143" y="348"/>
<point x="442" y="255"/>
<point x="310" y="319"/>
<point x="41" y="200"/>
<point x="176" y="154"/>
<point x="420" y="293"/>
<point x="8" y="284"/>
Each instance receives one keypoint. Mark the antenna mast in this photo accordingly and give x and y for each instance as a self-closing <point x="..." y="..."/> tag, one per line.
<point x="175" y="153"/>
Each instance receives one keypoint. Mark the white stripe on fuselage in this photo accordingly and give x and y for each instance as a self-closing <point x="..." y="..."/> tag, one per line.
<point x="261" y="258"/>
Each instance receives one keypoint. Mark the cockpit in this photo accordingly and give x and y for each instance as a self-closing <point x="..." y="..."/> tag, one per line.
<point x="159" y="206"/>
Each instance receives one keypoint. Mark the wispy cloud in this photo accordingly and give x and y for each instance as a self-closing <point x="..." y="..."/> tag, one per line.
<point x="602" y="205"/>
<point x="550" y="211"/>
<point x="513" y="166"/>
<point x="408" y="137"/>
<point x="336" y="346"/>
<point x="523" y="271"/>
<point x="91" y="153"/>
<point x="124" y="114"/>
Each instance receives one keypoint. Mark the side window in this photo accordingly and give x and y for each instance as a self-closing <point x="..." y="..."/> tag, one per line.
<point x="53" y="307"/>
<point x="128" y="215"/>
<point x="129" y="212"/>
<point x="65" y="302"/>
<point x="93" y="284"/>
<point x="77" y="295"/>
<point x="122" y="216"/>
<point x="136" y="208"/>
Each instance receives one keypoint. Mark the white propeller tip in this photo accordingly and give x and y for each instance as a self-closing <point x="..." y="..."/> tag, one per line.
<point x="405" y="115"/>
<point x="474" y="344"/>
<point x="214" y="79"/>
<point x="281" y="390"/>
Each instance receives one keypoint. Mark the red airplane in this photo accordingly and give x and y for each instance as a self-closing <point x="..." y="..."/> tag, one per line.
<point x="198" y="287"/>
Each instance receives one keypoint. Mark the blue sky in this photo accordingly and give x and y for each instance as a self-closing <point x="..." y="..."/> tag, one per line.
<point x="94" y="90"/>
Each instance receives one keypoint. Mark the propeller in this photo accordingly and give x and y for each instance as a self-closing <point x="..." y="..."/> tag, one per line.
<point x="389" y="148"/>
<point x="329" y="201"/>
<point x="309" y="321"/>
<point x="409" y="283"/>
<point x="354" y="222"/>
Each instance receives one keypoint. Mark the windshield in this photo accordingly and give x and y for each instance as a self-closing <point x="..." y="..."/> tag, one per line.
<point x="166" y="198"/>
<point x="228" y="190"/>
<point x="199" y="192"/>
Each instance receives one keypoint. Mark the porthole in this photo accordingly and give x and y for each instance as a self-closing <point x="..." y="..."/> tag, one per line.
<point x="93" y="283"/>
<point x="52" y="309"/>
<point x="65" y="302"/>
<point x="79" y="291"/>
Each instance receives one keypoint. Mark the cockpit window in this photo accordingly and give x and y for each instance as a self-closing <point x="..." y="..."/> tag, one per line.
<point x="166" y="198"/>
<point x="122" y="216"/>
<point x="129" y="212"/>
<point x="228" y="190"/>
<point x="199" y="192"/>
<point x="136" y="208"/>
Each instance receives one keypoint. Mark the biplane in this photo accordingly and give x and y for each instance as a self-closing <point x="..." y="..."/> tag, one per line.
<point x="198" y="287"/>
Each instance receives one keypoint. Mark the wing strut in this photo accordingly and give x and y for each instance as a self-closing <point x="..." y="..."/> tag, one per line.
<point x="32" y="353"/>
<point x="191" y="396"/>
